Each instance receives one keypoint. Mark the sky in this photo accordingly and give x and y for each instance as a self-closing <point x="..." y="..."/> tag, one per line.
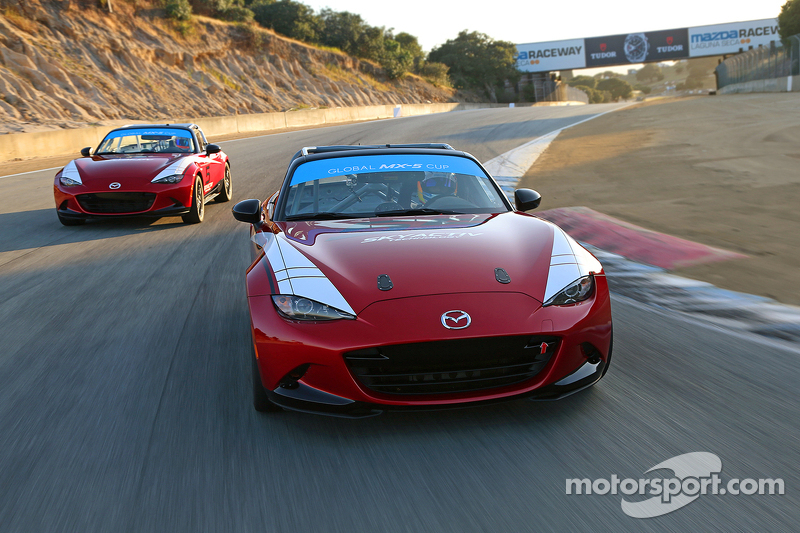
<point x="435" y="21"/>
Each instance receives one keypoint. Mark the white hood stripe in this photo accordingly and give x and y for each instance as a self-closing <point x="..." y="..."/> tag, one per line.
<point x="297" y="275"/>
<point x="71" y="172"/>
<point x="569" y="261"/>
<point x="178" y="167"/>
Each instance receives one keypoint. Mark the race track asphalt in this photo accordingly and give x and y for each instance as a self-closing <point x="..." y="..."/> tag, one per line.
<point x="125" y="394"/>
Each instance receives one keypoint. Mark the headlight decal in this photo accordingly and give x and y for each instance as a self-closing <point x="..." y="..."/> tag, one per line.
<point x="297" y="275"/>
<point x="178" y="167"/>
<point x="71" y="172"/>
<point x="569" y="261"/>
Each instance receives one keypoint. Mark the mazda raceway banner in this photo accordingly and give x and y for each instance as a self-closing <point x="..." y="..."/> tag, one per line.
<point x="649" y="46"/>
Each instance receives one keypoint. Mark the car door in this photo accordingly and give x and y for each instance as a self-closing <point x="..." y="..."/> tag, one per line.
<point x="214" y="166"/>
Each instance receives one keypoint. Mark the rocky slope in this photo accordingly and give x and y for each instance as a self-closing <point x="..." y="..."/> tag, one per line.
<point x="67" y="63"/>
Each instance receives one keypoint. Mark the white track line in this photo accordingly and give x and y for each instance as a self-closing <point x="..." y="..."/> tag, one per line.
<point x="31" y="172"/>
<point x="508" y="168"/>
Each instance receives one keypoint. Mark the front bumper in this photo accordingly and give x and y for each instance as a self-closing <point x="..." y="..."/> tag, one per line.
<point x="165" y="212"/>
<point x="169" y="200"/>
<point x="307" y="399"/>
<point x="329" y="386"/>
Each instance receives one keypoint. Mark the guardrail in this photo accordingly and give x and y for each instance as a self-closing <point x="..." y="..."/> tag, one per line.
<point x="763" y="63"/>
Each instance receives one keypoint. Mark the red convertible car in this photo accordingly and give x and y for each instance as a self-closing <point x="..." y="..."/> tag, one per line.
<point x="400" y="277"/>
<point x="144" y="170"/>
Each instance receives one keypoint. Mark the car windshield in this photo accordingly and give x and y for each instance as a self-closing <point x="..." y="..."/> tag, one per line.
<point x="389" y="185"/>
<point x="147" y="140"/>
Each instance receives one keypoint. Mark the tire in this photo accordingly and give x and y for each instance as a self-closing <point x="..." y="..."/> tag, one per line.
<point x="608" y="359"/>
<point x="226" y="193"/>
<point x="198" y="211"/>
<point x="261" y="401"/>
<point x="70" y="221"/>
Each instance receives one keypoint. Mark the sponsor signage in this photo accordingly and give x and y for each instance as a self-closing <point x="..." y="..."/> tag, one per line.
<point x="645" y="47"/>
<point x="732" y="38"/>
<point x="555" y="55"/>
<point x="637" y="47"/>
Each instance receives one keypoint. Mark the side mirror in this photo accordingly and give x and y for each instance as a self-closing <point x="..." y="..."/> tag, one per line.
<point x="86" y="152"/>
<point x="248" y="211"/>
<point x="213" y="149"/>
<point x="526" y="199"/>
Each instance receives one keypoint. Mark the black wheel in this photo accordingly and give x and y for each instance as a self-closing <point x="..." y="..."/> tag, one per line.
<point x="70" y="221"/>
<point x="195" y="216"/>
<point x="227" y="187"/>
<point x="261" y="401"/>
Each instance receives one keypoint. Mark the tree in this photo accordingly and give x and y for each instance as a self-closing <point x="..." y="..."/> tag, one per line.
<point x="595" y="96"/>
<point x="342" y="30"/>
<point x="586" y="81"/>
<point x="649" y="72"/>
<point x="395" y="60"/>
<point x="289" y="18"/>
<point x="478" y="61"/>
<point x="412" y="46"/>
<point x="646" y="89"/>
<point x="435" y="73"/>
<point x="789" y="20"/>
<point x="618" y="88"/>
<point x="179" y="9"/>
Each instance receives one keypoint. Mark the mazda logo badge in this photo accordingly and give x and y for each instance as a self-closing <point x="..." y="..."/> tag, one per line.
<point x="456" y="319"/>
<point x="114" y="185"/>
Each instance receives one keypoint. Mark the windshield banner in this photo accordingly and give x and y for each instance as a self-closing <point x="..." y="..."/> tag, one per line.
<point x="167" y="132"/>
<point x="343" y="166"/>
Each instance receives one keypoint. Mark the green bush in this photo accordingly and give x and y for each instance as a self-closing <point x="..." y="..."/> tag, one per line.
<point x="435" y="73"/>
<point x="789" y="20"/>
<point x="178" y="9"/>
<point x="395" y="60"/>
<point x="237" y="14"/>
<point x="586" y="81"/>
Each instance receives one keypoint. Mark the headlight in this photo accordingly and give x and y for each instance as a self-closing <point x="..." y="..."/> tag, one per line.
<point x="174" y="178"/>
<point x="299" y="308"/>
<point x="575" y="292"/>
<point x="66" y="182"/>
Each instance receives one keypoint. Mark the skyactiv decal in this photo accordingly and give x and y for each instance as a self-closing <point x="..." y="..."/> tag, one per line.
<point x="637" y="47"/>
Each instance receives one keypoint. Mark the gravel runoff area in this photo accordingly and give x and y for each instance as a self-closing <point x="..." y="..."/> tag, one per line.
<point x="717" y="170"/>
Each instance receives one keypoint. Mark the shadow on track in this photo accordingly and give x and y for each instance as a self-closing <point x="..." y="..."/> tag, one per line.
<point x="40" y="227"/>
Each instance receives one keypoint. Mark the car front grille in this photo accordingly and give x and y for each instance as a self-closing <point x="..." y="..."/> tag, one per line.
<point x="116" y="202"/>
<point x="451" y="366"/>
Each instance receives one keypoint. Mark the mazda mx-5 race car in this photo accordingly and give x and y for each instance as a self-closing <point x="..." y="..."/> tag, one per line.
<point x="400" y="277"/>
<point x="144" y="170"/>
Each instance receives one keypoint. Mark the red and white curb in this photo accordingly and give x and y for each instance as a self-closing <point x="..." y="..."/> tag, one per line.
<point x="636" y="260"/>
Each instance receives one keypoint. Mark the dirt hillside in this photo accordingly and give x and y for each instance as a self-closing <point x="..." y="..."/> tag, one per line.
<point x="67" y="63"/>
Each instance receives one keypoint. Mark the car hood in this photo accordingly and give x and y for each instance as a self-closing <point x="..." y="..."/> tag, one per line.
<point x="421" y="256"/>
<point x="102" y="169"/>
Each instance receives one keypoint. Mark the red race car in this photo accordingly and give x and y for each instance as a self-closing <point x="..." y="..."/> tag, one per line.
<point x="144" y="170"/>
<point x="400" y="277"/>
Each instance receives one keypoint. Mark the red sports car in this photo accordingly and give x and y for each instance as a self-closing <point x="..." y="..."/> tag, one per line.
<point x="144" y="170"/>
<point x="400" y="277"/>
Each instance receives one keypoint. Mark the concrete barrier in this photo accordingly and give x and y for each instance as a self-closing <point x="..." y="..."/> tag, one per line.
<point x="773" y="85"/>
<point x="260" y="122"/>
<point x="219" y="125"/>
<point x="49" y="143"/>
<point x="70" y="141"/>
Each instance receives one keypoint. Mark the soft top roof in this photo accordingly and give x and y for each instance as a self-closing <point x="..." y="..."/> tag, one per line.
<point x="138" y="126"/>
<point x="309" y="150"/>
